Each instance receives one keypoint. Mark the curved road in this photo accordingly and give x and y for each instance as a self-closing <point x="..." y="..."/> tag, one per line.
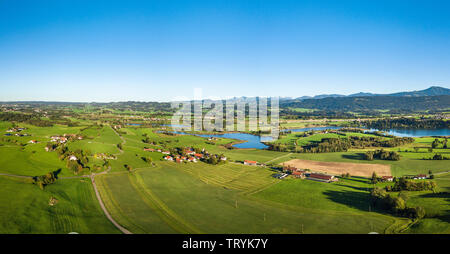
<point x="124" y="230"/>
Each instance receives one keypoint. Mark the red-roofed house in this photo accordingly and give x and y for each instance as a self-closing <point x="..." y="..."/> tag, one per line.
<point x="421" y="176"/>
<point x="289" y="169"/>
<point x="298" y="174"/>
<point x="198" y="155"/>
<point x="387" y="178"/>
<point x="169" y="158"/>
<point x="250" y="163"/>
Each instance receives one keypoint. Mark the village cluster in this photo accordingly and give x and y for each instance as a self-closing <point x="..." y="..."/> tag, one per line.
<point x="17" y="130"/>
<point x="64" y="138"/>
<point x="189" y="154"/>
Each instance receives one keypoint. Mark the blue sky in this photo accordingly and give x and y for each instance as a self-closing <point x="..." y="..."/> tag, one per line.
<point x="158" y="50"/>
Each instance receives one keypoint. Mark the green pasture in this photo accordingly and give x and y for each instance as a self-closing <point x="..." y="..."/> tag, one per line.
<point x="24" y="208"/>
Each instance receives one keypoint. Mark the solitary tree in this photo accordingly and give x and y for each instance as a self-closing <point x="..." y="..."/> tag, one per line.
<point x="374" y="178"/>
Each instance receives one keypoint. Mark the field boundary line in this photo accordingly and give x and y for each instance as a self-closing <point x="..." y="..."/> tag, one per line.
<point x="169" y="216"/>
<point x="277" y="158"/>
<point x="12" y="175"/>
<point x="112" y="202"/>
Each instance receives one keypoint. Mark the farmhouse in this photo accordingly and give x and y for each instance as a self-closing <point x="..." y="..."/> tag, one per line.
<point x="32" y="142"/>
<point x="192" y="159"/>
<point x="198" y="155"/>
<point x="189" y="152"/>
<point x="420" y="176"/>
<point x="387" y="178"/>
<point x="169" y="158"/>
<point x="57" y="138"/>
<point x="298" y="174"/>
<point x="250" y="163"/>
<point x="289" y="169"/>
<point x="321" y="177"/>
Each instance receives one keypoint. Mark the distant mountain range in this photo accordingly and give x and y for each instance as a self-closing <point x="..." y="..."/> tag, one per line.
<point x="432" y="91"/>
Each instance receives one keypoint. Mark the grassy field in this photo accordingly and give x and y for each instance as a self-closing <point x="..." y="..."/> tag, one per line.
<point x="193" y="202"/>
<point x="166" y="197"/>
<point x="437" y="219"/>
<point x="24" y="208"/>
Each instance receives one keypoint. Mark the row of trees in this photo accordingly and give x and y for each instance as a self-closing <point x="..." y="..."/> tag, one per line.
<point x="436" y="142"/>
<point x="402" y="184"/>
<point x="46" y="179"/>
<point x="384" y="124"/>
<point x="381" y="155"/>
<point x="396" y="205"/>
<point x="343" y="144"/>
<point x="25" y="118"/>
<point x="439" y="157"/>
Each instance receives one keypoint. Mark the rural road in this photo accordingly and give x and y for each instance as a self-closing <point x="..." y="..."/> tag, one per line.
<point x="124" y="230"/>
<point x="99" y="198"/>
<point x="277" y="158"/>
<point x="4" y="174"/>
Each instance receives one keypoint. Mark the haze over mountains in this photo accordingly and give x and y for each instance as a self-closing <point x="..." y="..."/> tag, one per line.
<point x="431" y="91"/>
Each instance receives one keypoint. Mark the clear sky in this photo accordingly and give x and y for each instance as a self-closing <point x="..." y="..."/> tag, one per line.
<point x="158" y="50"/>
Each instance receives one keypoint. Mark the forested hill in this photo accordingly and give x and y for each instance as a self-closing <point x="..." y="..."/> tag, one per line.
<point x="411" y="104"/>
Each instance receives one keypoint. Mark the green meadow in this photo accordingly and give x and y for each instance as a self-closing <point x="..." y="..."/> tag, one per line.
<point x="25" y="209"/>
<point x="166" y="197"/>
<point x="188" y="201"/>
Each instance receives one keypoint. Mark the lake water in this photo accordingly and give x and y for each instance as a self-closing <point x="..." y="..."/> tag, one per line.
<point x="134" y="124"/>
<point x="396" y="132"/>
<point x="416" y="132"/>
<point x="253" y="141"/>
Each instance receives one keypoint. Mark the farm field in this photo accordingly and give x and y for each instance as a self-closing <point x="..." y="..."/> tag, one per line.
<point x="208" y="204"/>
<point x="24" y="208"/>
<point x="339" y="168"/>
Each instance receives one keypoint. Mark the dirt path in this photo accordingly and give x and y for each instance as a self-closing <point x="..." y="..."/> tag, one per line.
<point x="122" y="138"/>
<point x="99" y="198"/>
<point x="124" y="230"/>
<point x="12" y="175"/>
<point x="441" y="173"/>
<point x="277" y="158"/>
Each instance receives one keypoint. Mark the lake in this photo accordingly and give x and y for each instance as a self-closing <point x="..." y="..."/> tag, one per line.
<point x="253" y="141"/>
<point x="396" y="132"/>
<point x="416" y="132"/>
